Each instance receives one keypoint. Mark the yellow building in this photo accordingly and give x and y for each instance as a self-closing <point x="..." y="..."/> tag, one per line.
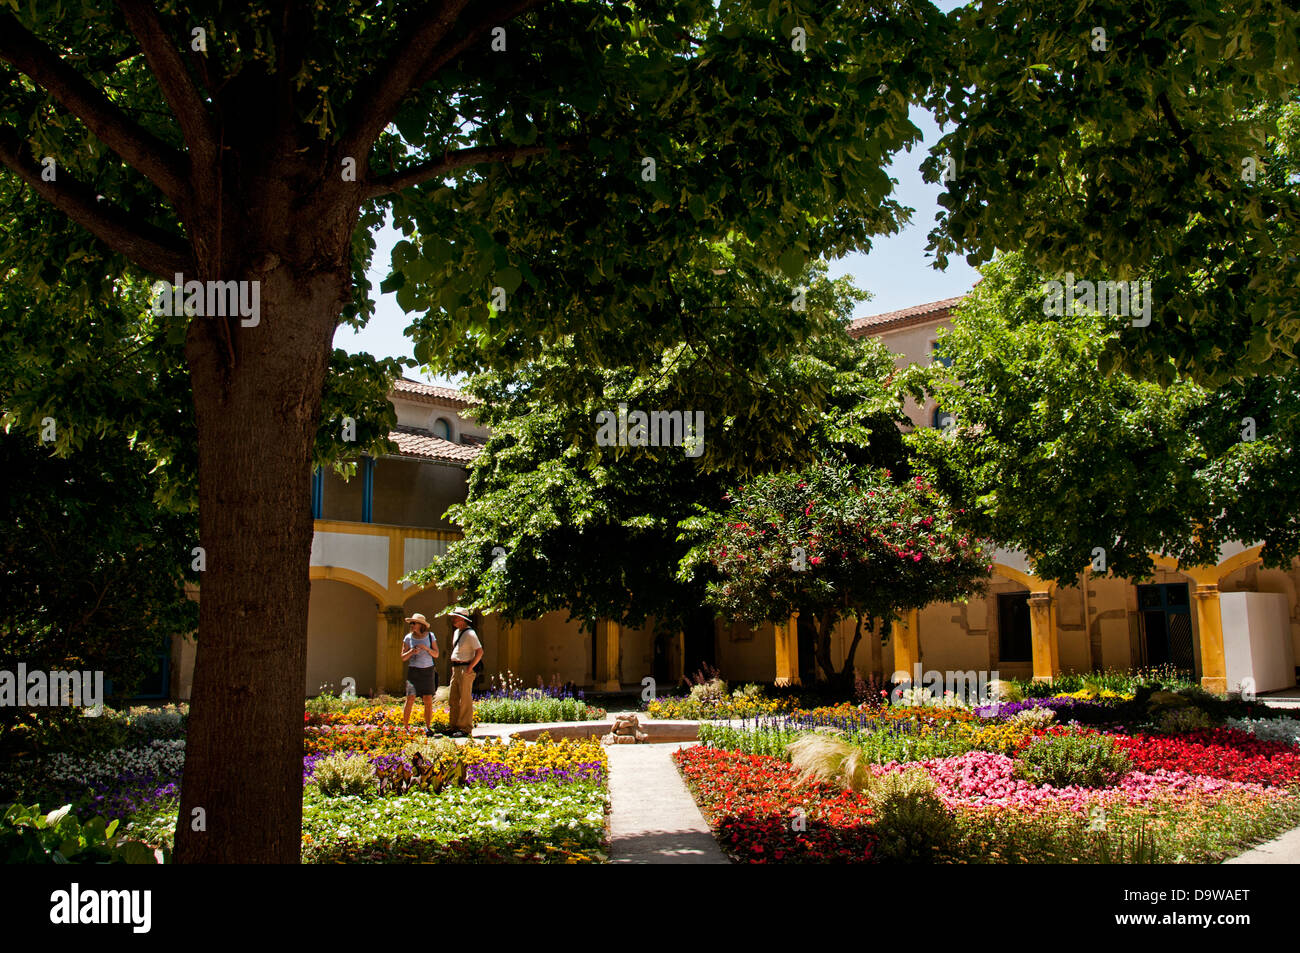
<point x="1227" y="622"/>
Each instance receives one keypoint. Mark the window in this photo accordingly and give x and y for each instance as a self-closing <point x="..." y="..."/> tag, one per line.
<point x="1014" y="640"/>
<point x="942" y="419"/>
<point x="442" y="428"/>
<point x="936" y="355"/>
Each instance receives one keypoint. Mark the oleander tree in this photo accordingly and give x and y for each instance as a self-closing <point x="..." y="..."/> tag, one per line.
<point x="1083" y="469"/>
<point x="833" y="542"/>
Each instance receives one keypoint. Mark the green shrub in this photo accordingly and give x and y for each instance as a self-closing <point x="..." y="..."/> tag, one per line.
<point x="911" y="821"/>
<point x="31" y="836"/>
<point x="344" y="773"/>
<point x="712" y="692"/>
<point x="1083" y="760"/>
<point x="1176" y="720"/>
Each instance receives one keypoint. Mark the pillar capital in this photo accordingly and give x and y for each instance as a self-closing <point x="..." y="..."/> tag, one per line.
<point x="1040" y="598"/>
<point x="1206" y="590"/>
<point x="395" y="615"/>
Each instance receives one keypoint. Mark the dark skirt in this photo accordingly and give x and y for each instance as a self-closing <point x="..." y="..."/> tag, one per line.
<point x="421" y="681"/>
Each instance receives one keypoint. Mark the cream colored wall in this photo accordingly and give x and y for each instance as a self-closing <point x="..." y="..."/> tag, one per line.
<point x="553" y="646"/>
<point x="912" y="346"/>
<point x="422" y="415"/>
<point x="744" y="654"/>
<point x="341" y="633"/>
<point x="1258" y="579"/>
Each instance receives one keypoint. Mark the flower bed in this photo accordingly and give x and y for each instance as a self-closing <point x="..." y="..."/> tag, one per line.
<point x="1195" y="796"/>
<point x="754" y="806"/>
<point x="1217" y="753"/>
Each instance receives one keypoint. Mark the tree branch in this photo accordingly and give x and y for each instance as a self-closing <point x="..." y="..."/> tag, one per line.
<point x="382" y="91"/>
<point x="173" y="79"/>
<point x="152" y="157"/>
<point x="460" y="159"/>
<point x="156" y="251"/>
<point x="415" y="62"/>
<point x="1185" y="141"/>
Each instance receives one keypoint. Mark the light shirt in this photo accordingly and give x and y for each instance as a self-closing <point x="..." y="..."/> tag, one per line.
<point x="464" y="644"/>
<point x="421" y="660"/>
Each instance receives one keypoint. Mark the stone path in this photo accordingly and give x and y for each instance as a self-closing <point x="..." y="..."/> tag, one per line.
<point x="1280" y="850"/>
<point x="653" y="818"/>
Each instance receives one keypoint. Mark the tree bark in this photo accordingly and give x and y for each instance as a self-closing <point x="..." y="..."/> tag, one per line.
<point x="257" y="397"/>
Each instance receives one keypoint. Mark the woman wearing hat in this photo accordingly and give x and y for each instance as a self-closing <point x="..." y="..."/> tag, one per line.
<point x="466" y="650"/>
<point x="419" y="649"/>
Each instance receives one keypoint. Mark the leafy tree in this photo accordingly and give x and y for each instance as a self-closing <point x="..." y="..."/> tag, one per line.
<point x="1121" y="140"/>
<point x="92" y="571"/>
<point x="604" y="531"/>
<point x="835" y="542"/>
<point x="263" y="142"/>
<point x="1061" y="461"/>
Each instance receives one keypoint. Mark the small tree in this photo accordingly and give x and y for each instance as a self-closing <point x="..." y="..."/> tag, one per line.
<point x="836" y="542"/>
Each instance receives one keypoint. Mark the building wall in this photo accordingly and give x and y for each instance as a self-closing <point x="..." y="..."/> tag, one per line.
<point x="415" y="493"/>
<point x="341" y="631"/>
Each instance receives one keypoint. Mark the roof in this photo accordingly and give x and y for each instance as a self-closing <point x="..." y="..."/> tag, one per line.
<point x="904" y="318"/>
<point x="414" y="442"/>
<point x="430" y="393"/>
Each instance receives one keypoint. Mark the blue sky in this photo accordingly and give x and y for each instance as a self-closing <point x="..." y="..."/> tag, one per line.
<point x="897" y="271"/>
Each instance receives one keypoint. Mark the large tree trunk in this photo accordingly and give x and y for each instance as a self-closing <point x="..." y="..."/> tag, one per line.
<point x="257" y="395"/>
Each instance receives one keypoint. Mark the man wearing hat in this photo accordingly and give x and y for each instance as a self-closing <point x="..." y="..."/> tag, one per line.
<point x="419" y="649"/>
<point x="466" y="650"/>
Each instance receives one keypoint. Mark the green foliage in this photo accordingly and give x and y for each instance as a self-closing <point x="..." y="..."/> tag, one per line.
<point x="606" y="532"/>
<point x="513" y="711"/>
<point x="1128" y="159"/>
<point x="1073" y="758"/>
<point x="911" y="821"/>
<point x="835" y="541"/>
<point x="1052" y="457"/>
<point x="344" y="774"/>
<point x="31" y="836"/>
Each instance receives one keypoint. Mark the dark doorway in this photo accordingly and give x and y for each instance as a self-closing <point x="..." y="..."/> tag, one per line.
<point x="806" y="633"/>
<point x="1015" y="638"/>
<point x="661" y="667"/>
<point x="1166" y="625"/>
<point x="701" y="642"/>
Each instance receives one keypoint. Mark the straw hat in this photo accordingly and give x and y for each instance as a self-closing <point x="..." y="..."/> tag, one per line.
<point x="419" y="617"/>
<point x="462" y="612"/>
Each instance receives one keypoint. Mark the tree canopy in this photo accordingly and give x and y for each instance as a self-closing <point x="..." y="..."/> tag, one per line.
<point x="1078" y="468"/>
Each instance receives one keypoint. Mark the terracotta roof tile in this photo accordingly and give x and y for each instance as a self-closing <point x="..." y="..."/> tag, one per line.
<point x="904" y="317"/>
<point x="431" y="393"/>
<point x="414" y="442"/>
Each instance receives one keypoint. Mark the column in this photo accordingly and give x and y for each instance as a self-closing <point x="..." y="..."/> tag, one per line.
<point x="787" y="650"/>
<point x="1214" y="671"/>
<point x="367" y="489"/>
<point x="388" y="650"/>
<point x="1042" y="627"/>
<point x="907" y="645"/>
<point x="606" y="676"/>
<point x="513" y="634"/>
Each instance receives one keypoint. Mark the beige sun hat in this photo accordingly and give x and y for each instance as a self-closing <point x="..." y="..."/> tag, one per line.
<point x="462" y="612"/>
<point x="419" y="617"/>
